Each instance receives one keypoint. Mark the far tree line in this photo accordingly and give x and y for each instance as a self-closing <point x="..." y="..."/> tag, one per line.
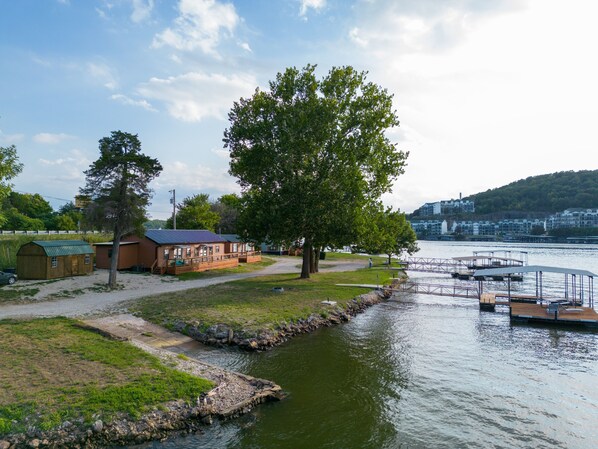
<point x="312" y="159"/>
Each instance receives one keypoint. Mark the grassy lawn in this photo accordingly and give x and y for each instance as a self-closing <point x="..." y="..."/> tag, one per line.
<point x="251" y="304"/>
<point x="242" y="268"/>
<point x="52" y="370"/>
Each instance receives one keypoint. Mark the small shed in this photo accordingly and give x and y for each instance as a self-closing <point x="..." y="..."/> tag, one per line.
<point x="51" y="259"/>
<point x="128" y="255"/>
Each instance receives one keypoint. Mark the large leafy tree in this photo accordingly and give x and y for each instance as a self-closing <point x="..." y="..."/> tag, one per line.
<point x="118" y="186"/>
<point x="9" y="168"/>
<point x="195" y="213"/>
<point x="309" y="155"/>
<point x="227" y="207"/>
<point x="387" y="232"/>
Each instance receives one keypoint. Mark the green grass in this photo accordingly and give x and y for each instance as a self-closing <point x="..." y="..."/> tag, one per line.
<point x="17" y="295"/>
<point x="252" y="305"/>
<point x="54" y="370"/>
<point x="242" y="268"/>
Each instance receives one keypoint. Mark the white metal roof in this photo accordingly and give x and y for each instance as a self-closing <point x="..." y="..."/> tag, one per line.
<point x="531" y="269"/>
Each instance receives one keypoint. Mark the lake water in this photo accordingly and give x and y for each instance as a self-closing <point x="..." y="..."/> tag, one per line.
<point x="425" y="372"/>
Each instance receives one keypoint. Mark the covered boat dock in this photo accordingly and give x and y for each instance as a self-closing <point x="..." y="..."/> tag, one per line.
<point x="574" y="306"/>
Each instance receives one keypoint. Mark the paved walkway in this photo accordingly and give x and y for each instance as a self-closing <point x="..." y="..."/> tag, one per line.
<point x="98" y="303"/>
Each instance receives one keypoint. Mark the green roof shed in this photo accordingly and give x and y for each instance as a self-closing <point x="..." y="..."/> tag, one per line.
<point x="51" y="259"/>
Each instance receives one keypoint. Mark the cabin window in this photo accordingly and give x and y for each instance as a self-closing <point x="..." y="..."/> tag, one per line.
<point x="54" y="262"/>
<point x="204" y="250"/>
<point x="196" y="251"/>
<point x="218" y="249"/>
<point x="235" y="247"/>
<point x="211" y="250"/>
<point x="178" y="253"/>
<point x="87" y="260"/>
<point x="166" y="253"/>
<point x="188" y="251"/>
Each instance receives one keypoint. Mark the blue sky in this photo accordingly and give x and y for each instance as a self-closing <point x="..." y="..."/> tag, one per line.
<point x="487" y="91"/>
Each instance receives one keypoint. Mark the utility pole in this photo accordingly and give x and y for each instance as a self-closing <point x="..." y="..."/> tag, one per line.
<point x="173" y="202"/>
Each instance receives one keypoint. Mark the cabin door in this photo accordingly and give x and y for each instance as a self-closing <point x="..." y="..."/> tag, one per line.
<point x="74" y="266"/>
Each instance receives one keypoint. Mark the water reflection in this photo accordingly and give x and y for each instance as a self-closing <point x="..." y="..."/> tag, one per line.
<point x="422" y="371"/>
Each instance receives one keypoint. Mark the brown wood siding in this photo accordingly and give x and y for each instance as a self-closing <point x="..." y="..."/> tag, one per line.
<point x="127" y="257"/>
<point x="40" y="267"/>
<point x="32" y="266"/>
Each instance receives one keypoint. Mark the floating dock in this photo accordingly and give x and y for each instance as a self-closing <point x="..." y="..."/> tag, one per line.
<point x="562" y="315"/>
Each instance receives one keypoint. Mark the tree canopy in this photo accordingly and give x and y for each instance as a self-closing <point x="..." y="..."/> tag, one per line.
<point x="541" y="194"/>
<point x="387" y="232"/>
<point x="309" y="155"/>
<point x="9" y="168"/>
<point x="195" y="212"/>
<point x="117" y="184"/>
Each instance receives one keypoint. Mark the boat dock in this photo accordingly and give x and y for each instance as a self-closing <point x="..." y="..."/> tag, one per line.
<point x="575" y="307"/>
<point x="463" y="268"/>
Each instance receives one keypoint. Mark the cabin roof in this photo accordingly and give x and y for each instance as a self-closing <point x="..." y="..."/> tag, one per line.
<point x="182" y="236"/>
<point x="531" y="269"/>
<point x="54" y="248"/>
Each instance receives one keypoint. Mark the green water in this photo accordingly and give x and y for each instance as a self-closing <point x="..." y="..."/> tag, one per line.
<point x="419" y="372"/>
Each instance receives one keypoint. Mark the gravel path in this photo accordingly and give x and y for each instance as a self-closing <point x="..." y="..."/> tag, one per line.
<point x="135" y="286"/>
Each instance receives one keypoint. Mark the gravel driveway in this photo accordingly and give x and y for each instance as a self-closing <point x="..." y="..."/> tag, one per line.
<point x="134" y="286"/>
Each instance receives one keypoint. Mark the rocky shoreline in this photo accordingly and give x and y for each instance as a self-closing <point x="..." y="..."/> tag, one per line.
<point x="221" y="334"/>
<point x="234" y="395"/>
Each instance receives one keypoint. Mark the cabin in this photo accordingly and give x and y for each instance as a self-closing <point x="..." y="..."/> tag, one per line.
<point x="246" y="250"/>
<point x="53" y="259"/>
<point x="170" y="251"/>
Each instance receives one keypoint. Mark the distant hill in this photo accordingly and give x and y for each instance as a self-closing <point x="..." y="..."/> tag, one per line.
<point x="541" y="194"/>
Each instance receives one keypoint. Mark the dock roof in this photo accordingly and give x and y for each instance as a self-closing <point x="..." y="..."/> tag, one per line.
<point x="531" y="269"/>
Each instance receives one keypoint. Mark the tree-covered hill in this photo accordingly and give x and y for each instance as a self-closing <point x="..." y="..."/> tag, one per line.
<point x="544" y="193"/>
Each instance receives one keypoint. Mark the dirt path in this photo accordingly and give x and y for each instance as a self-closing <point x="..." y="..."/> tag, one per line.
<point x="234" y="391"/>
<point x="85" y="302"/>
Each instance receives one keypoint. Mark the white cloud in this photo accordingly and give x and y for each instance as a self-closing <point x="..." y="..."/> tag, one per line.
<point x="197" y="178"/>
<point x="221" y="153"/>
<point x="142" y="10"/>
<point x="200" y="25"/>
<point x="67" y="168"/>
<point x="484" y="98"/>
<point x="51" y="139"/>
<point x="245" y="46"/>
<point x="103" y="74"/>
<point x="194" y="96"/>
<point x="10" y="139"/>
<point x="123" y="99"/>
<point x="316" y="5"/>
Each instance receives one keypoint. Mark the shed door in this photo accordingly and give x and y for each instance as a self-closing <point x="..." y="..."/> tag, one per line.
<point x="74" y="265"/>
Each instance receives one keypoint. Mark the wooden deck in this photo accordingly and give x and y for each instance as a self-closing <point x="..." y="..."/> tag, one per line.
<point x="567" y="315"/>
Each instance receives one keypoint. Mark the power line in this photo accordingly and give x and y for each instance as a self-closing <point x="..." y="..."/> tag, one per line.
<point x="44" y="196"/>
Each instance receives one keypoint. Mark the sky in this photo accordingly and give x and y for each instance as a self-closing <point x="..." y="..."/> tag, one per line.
<point x="487" y="91"/>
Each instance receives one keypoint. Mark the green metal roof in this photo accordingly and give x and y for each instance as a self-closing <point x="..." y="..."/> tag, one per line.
<point x="54" y="248"/>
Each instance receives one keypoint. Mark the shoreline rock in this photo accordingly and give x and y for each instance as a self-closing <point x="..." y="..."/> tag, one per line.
<point x="223" y="335"/>
<point x="235" y="394"/>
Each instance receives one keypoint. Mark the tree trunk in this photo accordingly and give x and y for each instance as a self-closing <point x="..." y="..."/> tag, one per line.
<point x="389" y="260"/>
<point x="305" y="267"/>
<point x="114" y="259"/>
<point x="316" y="261"/>
<point x="312" y="262"/>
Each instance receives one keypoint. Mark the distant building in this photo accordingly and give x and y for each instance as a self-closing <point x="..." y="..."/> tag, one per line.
<point x="447" y="207"/>
<point x="425" y="228"/>
<point x="573" y="218"/>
